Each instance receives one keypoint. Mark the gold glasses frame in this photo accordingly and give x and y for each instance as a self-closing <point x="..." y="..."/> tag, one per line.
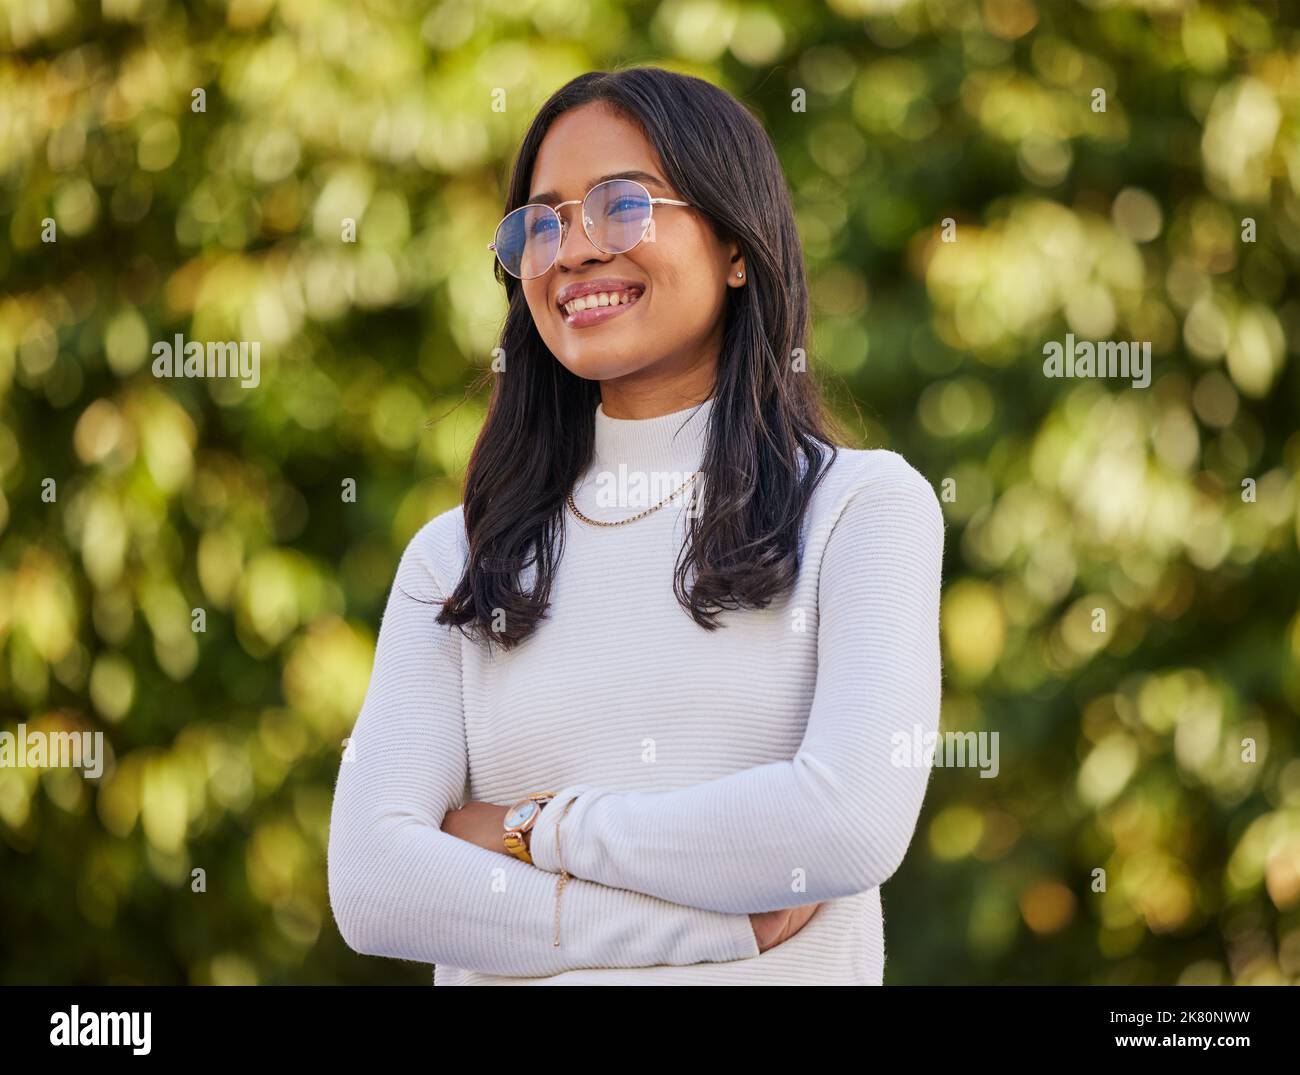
<point x="647" y="232"/>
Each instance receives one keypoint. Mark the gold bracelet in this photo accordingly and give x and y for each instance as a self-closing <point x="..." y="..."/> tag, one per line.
<point x="564" y="874"/>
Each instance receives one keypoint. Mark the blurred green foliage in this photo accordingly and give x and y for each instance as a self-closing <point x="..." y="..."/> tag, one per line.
<point x="1121" y="750"/>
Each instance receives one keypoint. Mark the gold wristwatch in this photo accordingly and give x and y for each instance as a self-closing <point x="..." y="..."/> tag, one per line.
<point x="520" y="819"/>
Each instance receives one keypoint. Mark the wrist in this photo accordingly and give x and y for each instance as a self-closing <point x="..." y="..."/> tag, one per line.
<point x="517" y="824"/>
<point x="544" y="853"/>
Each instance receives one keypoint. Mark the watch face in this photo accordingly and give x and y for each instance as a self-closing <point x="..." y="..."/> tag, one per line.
<point x="520" y="813"/>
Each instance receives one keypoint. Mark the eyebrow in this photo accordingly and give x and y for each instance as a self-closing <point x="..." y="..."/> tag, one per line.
<point x="550" y="197"/>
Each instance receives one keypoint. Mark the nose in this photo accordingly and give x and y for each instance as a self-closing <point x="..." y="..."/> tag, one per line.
<point x="576" y="248"/>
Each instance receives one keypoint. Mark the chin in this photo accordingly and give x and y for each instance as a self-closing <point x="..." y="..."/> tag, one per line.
<point x="594" y="364"/>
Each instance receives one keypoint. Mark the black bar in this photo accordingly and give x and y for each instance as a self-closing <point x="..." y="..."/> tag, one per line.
<point x="381" y="1024"/>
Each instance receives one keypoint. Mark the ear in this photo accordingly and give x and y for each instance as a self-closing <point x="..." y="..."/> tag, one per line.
<point x="736" y="274"/>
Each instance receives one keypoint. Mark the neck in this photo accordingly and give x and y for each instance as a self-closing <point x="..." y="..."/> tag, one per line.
<point x="666" y="442"/>
<point x="640" y="396"/>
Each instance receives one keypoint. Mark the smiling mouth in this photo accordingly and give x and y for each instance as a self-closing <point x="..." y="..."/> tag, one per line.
<point x="598" y="308"/>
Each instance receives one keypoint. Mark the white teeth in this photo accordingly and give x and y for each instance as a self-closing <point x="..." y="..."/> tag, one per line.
<point x="603" y="298"/>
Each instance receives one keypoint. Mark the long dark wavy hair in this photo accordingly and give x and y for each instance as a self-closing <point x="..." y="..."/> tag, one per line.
<point x="537" y="440"/>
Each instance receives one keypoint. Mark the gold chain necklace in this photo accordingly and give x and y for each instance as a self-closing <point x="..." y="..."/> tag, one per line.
<point x="640" y="515"/>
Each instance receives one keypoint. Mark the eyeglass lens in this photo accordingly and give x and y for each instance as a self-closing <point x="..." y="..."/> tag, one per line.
<point x="615" y="212"/>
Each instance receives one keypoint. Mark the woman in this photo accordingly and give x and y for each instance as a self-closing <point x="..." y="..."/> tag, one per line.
<point x="634" y="704"/>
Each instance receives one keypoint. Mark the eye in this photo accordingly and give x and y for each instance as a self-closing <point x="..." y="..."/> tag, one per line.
<point x="542" y="225"/>
<point x="626" y="205"/>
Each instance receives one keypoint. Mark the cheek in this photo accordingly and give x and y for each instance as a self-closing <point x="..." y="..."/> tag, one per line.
<point x="682" y="282"/>
<point x="685" y="293"/>
<point x="535" y="296"/>
<point x="685" y="271"/>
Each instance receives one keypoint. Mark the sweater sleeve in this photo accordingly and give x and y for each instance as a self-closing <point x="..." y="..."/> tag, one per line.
<point x="840" y="814"/>
<point x="401" y="887"/>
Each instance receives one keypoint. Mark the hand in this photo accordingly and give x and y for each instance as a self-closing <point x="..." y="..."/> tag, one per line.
<point x="773" y="927"/>
<point x="479" y="823"/>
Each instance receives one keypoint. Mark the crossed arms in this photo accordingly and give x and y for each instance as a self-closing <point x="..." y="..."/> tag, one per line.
<point x="651" y="885"/>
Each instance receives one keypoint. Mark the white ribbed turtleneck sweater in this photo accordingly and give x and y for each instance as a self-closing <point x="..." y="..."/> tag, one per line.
<point x="715" y="773"/>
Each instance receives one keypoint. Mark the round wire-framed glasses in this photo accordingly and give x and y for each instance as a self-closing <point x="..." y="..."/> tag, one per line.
<point x="617" y="215"/>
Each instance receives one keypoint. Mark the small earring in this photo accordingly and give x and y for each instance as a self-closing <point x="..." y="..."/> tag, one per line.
<point x="740" y="274"/>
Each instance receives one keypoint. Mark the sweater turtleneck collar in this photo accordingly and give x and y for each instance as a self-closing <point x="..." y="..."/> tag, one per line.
<point x="670" y="442"/>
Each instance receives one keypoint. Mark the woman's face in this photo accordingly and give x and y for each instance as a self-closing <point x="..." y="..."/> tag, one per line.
<point x="667" y="341"/>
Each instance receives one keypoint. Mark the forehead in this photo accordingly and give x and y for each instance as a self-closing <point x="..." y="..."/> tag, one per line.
<point x="586" y="143"/>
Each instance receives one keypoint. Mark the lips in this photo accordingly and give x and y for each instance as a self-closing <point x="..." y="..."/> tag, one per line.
<point x="597" y="315"/>
<point x="593" y="287"/>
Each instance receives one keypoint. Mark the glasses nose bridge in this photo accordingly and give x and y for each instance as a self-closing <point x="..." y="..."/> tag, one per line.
<point x="564" y="223"/>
